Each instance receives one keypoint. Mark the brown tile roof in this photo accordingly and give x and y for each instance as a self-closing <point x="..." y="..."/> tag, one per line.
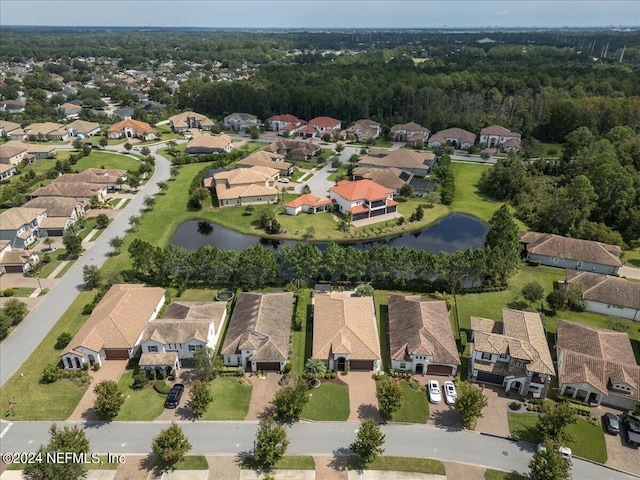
<point x="411" y="127"/>
<point x="212" y="311"/>
<point x="260" y="322"/>
<point x="345" y="324"/>
<point x="293" y="146"/>
<point x="158" y="359"/>
<point x="324" y="122"/>
<point x="69" y="189"/>
<point x="479" y="324"/>
<point x="81" y="126"/>
<point x="17" y="217"/>
<point x="265" y="159"/>
<point x="93" y="175"/>
<point x="11" y="149"/>
<point x="551" y="245"/>
<point x="176" y="331"/>
<point x="220" y="142"/>
<point x="8" y="126"/>
<point x="181" y="119"/>
<point x="421" y="327"/>
<point x="401" y="158"/>
<point x="606" y="289"/>
<point x="46" y="128"/>
<point x="456" y="133"/>
<point x="118" y="319"/>
<point x="6" y="167"/>
<point x="393" y="178"/>
<point x="499" y="131"/>
<point x="16" y="257"/>
<point x="597" y="356"/>
<point x="284" y="118"/>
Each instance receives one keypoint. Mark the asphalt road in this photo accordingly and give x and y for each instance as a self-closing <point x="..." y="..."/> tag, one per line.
<point x="329" y="438"/>
<point x="319" y="183"/>
<point x="37" y="324"/>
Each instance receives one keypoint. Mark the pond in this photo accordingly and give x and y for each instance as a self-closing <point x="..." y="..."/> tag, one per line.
<point x="452" y="233"/>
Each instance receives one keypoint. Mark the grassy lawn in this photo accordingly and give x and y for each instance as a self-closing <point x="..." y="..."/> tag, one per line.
<point x="400" y="464"/>
<point x="198" y="295"/>
<point x="588" y="439"/>
<point x="288" y="462"/>
<point x="551" y="146"/>
<point x="104" y="159"/>
<point x="141" y="405"/>
<point x="632" y="258"/>
<point x="193" y="462"/>
<point x="415" y="406"/>
<point x="499" y="475"/>
<point x="23" y="291"/>
<point x="302" y="340"/>
<point x="57" y="257"/>
<point x="328" y="403"/>
<point x="339" y="173"/>
<point x="54" y="401"/>
<point x="381" y="302"/>
<point x="64" y="269"/>
<point x="230" y="400"/>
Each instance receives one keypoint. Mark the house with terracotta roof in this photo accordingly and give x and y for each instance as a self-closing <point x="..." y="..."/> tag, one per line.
<point x="571" y="253"/>
<point x="513" y="353"/>
<point x="241" y="122"/>
<point x="606" y="294"/>
<point x="185" y="121"/>
<point x="46" y="131"/>
<point x="454" y="137"/>
<point x="497" y="136"/>
<point x="345" y="332"/>
<point x="169" y="343"/>
<point x="296" y="149"/>
<point x="308" y="203"/>
<point x="285" y="125"/>
<point x="392" y="178"/>
<point x="81" y="127"/>
<point x="62" y="212"/>
<point x="325" y="125"/>
<point x="411" y="133"/>
<point x="417" y="163"/>
<point x="245" y="186"/>
<point x="16" y="261"/>
<point x="263" y="158"/>
<point x="420" y="336"/>
<point x="130" y="128"/>
<point x="13" y="152"/>
<point x="363" y="199"/>
<point x="257" y="336"/>
<point x="597" y="365"/>
<point x="19" y="226"/>
<point x="209" y="144"/>
<point x="7" y="171"/>
<point x="364" y="130"/>
<point x="114" y="329"/>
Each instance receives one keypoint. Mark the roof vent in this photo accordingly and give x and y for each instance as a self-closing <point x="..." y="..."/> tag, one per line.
<point x="260" y="335"/>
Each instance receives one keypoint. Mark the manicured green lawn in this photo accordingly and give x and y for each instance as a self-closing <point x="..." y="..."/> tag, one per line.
<point x="415" y="406"/>
<point x="339" y="173"/>
<point x="328" y="403"/>
<point x="54" y="401"/>
<point x="193" y="462"/>
<point x="302" y="340"/>
<point x="400" y="464"/>
<point x="499" y="475"/>
<point x="23" y="291"/>
<point x="57" y="257"/>
<point x="102" y="159"/>
<point x="288" y="462"/>
<point x="632" y="258"/>
<point x="140" y="405"/>
<point x="230" y="400"/>
<point x="551" y="146"/>
<point x="64" y="269"/>
<point x="588" y="439"/>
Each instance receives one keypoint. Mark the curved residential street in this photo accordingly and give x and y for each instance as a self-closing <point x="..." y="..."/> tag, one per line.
<point x="37" y="324"/>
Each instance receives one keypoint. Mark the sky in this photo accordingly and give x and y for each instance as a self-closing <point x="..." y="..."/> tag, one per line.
<point x="321" y="13"/>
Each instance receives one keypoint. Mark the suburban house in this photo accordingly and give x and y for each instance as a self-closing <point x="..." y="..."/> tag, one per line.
<point x="309" y="204"/>
<point x="123" y="113"/>
<point x="392" y="178"/>
<point x="17" y="134"/>
<point x="597" y="365"/>
<point x="81" y="191"/>
<point x="285" y="124"/>
<point x="81" y="127"/>
<point x="241" y="122"/>
<point x="420" y="336"/>
<point x="257" y="336"/>
<point x="19" y="226"/>
<point x="571" y="253"/>
<point x="169" y="343"/>
<point x="130" y="128"/>
<point x="364" y="130"/>
<point x="296" y="149"/>
<point x="7" y="127"/>
<point x="607" y="295"/>
<point x="12" y="106"/>
<point x="345" y="332"/>
<point x="115" y="326"/>
<point x="454" y="137"/>
<point x="363" y="199"/>
<point x="7" y="171"/>
<point x="418" y="163"/>
<point x="496" y="136"/>
<point x="325" y="125"/>
<point x="512" y="353"/>
<point x="16" y="261"/>
<point x="422" y="186"/>
<point x="99" y="176"/>
<point x="185" y="121"/>
<point x="411" y="133"/>
<point x="46" y="131"/>
<point x="62" y="212"/>
<point x="209" y="144"/>
<point x="71" y="110"/>
<point x="244" y="186"/>
<point x="267" y="159"/>
<point x="41" y="150"/>
<point x="13" y="152"/>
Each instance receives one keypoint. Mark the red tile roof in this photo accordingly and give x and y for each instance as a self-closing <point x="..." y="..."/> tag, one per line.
<point x="140" y="127"/>
<point x="361" y="189"/>
<point x="325" y="122"/>
<point x="308" y="199"/>
<point x="284" y="118"/>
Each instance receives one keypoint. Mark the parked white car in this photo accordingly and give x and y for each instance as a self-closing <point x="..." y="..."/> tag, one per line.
<point x="564" y="451"/>
<point x="450" y="394"/>
<point x="284" y="180"/>
<point x="435" y="396"/>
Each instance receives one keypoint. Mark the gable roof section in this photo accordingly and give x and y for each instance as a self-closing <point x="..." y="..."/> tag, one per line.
<point x="498" y="131"/>
<point x="12" y="148"/>
<point x="410" y="127"/>
<point x="361" y="189"/>
<point x="260" y="322"/>
<point x="458" y="133"/>
<point x="55" y="206"/>
<point x="210" y="141"/>
<point x="606" y="289"/>
<point x="46" y="128"/>
<point x="17" y="217"/>
<point x="140" y="127"/>
<point x="551" y="245"/>
<point x="308" y="199"/>
<point x="401" y="158"/>
<point x="421" y="327"/>
<point x="392" y="177"/>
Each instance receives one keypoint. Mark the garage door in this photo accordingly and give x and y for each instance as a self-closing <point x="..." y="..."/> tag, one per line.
<point x="439" y="369"/>
<point x="55" y="233"/>
<point x="490" y="378"/>
<point x="361" y="364"/>
<point x="268" y="365"/>
<point x="13" y="268"/>
<point x="117" y="354"/>
<point x="619" y="402"/>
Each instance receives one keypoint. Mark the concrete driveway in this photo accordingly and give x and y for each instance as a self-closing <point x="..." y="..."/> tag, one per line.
<point x="263" y="392"/>
<point x="110" y="370"/>
<point x="495" y="420"/>
<point x="362" y="396"/>
<point x="620" y="454"/>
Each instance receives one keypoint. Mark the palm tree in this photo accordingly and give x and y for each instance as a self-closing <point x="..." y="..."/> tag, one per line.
<point x="314" y="368"/>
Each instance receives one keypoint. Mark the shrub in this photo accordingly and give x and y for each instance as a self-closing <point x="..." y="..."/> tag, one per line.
<point x="161" y="375"/>
<point x="139" y="380"/>
<point x="327" y="376"/>
<point x="334" y="375"/>
<point x="463" y="341"/>
<point x="152" y="375"/>
<point x="172" y="376"/>
<point x="287" y="368"/>
<point x="50" y="373"/>
<point x="96" y="367"/>
<point x="8" y="292"/>
<point x="85" y="366"/>
<point x="161" y="387"/>
<point x="63" y="340"/>
<point x="515" y="406"/>
<point x="533" y="263"/>
<point x="88" y="308"/>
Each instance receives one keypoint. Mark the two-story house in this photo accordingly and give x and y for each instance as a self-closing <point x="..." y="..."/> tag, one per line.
<point x="363" y="199"/>
<point x="245" y="186"/>
<point x="241" y="122"/>
<point x="325" y="125"/>
<point x="19" y="226"/>
<point x="513" y="353"/>
<point x="188" y="120"/>
<point x="454" y="137"/>
<point x="62" y="212"/>
<point x="286" y="125"/>
<point x="365" y="130"/>
<point x="418" y="163"/>
<point x="411" y="133"/>
<point x="267" y="159"/>
<point x="130" y="128"/>
<point x="496" y="136"/>
<point x="16" y="261"/>
<point x="13" y="152"/>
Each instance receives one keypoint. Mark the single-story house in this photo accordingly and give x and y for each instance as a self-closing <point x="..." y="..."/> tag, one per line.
<point x="99" y="176"/>
<point x="257" y="336"/>
<point x="496" y="136"/>
<point x="296" y="149"/>
<point x="267" y="159"/>
<point x="420" y="336"/>
<point x="130" y="128"/>
<point x="245" y="186"/>
<point x="13" y="152"/>
<point x="7" y="171"/>
<point x="597" y="365"/>
<point x="114" y="329"/>
<point x="392" y="178"/>
<point x="169" y="342"/>
<point x="513" y="353"/>
<point x="364" y="130"/>
<point x="123" y="113"/>
<point x="345" y="332"/>
<point x="12" y="106"/>
<point x="454" y="137"/>
<point x="411" y="132"/>
<point x="78" y="190"/>
<point x="188" y="120"/>
<point x="572" y="253"/>
<point x="309" y="204"/>
<point x="422" y="186"/>
<point x="86" y="129"/>
<point x="7" y="127"/>
<point x="16" y="261"/>
<point x="71" y="110"/>
<point x="62" y="212"/>
<point x="363" y="199"/>
<point x="41" y="150"/>
<point x="418" y="163"/>
<point x="241" y="122"/>
<point x="606" y="294"/>
<point x="19" y="226"/>
<point x="209" y="144"/>
<point x="47" y="131"/>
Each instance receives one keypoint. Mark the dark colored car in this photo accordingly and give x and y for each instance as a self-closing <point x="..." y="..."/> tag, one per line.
<point x="632" y="430"/>
<point x="97" y="147"/>
<point x="173" y="399"/>
<point x="611" y="423"/>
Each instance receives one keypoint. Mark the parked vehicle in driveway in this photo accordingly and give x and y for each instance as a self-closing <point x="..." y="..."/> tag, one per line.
<point x="450" y="393"/>
<point x="173" y="399"/>
<point x="284" y="180"/>
<point x="611" y="423"/>
<point x="632" y="430"/>
<point x="435" y="396"/>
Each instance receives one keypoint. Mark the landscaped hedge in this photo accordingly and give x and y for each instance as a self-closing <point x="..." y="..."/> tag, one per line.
<point x="161" y="387"/>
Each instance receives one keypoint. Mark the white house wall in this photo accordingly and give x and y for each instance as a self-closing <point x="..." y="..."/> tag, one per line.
<point x="574" y="264"/>
<point x="616" y="311"/>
